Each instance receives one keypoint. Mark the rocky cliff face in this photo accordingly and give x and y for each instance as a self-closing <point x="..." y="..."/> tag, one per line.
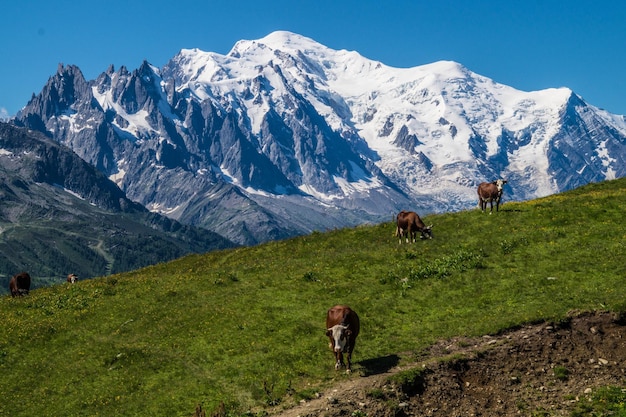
<point x="283" y="136"/>
<point x="60" y="215"/>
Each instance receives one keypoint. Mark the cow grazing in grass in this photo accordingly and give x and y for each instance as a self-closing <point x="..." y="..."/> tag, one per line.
<point x="72" y="278"/>
<point x="408" y="224"/>
<point x="19" y="284"/>
<point x="488" y="192"/>
<point x="342" y="328"/>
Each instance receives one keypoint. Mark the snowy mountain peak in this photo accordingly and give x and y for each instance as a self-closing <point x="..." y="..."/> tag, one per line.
<point x="279" y="41"/>
<point x="284" y="135"/>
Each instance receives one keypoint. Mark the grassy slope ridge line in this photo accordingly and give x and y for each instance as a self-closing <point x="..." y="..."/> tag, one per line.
<point x="246" y="326"/>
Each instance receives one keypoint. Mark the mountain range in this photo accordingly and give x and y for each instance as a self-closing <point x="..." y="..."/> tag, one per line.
<point x="283" y="136"/>
<point x="59" y="215"/>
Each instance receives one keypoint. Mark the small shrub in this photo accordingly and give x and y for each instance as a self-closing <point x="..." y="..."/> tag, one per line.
<point x="607" y="401"/>
<point x="410" y="382"/>
<point x="310" y="277"/>
<point x="109" y="291"/>
<point x="445" y="266"/>
<point x="521" y="405"/>
<point x="271" y="397"/>
<point x="377" y="394"/>
<point x="199" y="412"/>
<point x="540" y="412"/>
<point x="307" y="394"/>
<point x="219" y="412"/>
<point x="561" y="373"/>
<point x="405" y="285"/>
<point x="411" y="255"/>
<point x="390" y="278"/>
<point x="507" y="246"/>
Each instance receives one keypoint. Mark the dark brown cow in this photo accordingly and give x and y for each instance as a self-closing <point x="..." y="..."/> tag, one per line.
<point x="72" y="278"/>
<point x="342" y="328"/>
<point x="19" y="284"/>
<point x="488" y="192"/>
<point x="408" y="224"/>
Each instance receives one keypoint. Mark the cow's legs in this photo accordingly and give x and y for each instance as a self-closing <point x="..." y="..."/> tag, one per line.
<point x="338" y="360"/>
<point x="349" y="357"/>
<point x="399" y="234"/>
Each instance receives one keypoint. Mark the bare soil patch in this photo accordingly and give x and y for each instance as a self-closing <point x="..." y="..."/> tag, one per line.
<point x="539" y="369"/>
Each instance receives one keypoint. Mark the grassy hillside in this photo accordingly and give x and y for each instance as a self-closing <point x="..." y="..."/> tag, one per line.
<point x="246" y="326"/>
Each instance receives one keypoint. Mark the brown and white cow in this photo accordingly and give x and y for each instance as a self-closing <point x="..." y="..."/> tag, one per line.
<point x="408" y="223"/>
<point x="72" y="278"/>
<point x="342" y="328"/>
<point x="19" y="284"/>
<point x="488" y="192"/>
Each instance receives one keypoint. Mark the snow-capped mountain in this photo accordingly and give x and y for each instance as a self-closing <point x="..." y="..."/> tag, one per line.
<point x="283" y="136"/>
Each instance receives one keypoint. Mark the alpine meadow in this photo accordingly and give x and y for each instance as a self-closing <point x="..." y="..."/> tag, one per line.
<point x="244" y="327"/>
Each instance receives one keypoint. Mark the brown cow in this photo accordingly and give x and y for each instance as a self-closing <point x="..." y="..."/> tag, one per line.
<point x="19" y="284"/>
<point x="409" y="223"/>
<point x="488" y="192"/>
<point x="72" y="278"/>
<point x="342" y="328"/>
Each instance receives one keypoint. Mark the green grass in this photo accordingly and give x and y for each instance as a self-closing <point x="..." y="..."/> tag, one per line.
<point x="608" y="401"/>
<point x="246" y="326"/>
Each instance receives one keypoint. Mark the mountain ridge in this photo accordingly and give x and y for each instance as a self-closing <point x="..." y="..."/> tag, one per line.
<point x="60" y="215"/>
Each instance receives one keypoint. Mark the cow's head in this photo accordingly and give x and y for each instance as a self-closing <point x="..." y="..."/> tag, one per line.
<point x="339" y="334"/>
<point x="427" y="232"/>
<point x="499" y="183"/>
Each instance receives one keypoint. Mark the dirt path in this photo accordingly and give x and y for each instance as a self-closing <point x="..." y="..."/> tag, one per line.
<point x="544" y="369"/>
<point x="106" y="255"/>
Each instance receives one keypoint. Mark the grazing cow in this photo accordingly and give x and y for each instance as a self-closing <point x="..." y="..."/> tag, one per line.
<point x="409" y="223"/>
<point x="19" y="284"/>
<point x="342" y="328"/>
<point x="488" y="192"/>
<point x="72" y="278"/>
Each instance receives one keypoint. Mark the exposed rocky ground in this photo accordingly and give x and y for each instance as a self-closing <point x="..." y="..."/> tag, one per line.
<point x="544" y="369"/>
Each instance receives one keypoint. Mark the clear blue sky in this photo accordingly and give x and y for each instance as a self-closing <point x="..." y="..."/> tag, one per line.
<point x="527" y="44"/>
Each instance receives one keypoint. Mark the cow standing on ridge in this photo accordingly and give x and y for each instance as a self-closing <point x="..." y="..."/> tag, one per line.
<point x="342" y="328"/>
<point x="19" y="284"/>
<point x="488" y="192"/>
<point x="408" y="224"/>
